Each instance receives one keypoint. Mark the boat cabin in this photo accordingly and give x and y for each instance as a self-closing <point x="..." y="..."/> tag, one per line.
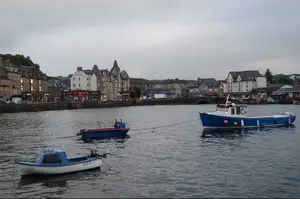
<point x="57" y="157"/>
<point x="119" y="125"/>
<point x="232" y="109"/>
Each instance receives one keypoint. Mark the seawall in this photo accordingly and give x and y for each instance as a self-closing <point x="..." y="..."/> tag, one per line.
<point x="16" y="108"/>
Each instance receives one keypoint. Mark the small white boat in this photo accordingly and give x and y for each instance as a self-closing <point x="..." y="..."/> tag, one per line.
<point x="56" y="162"/>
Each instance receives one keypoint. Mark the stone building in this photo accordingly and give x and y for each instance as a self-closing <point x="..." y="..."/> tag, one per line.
<point x="5" y="84"/>
<point x="33" y="84"/>
<point x="28" y="80"/>
<point x="55" y="89"/>
<point x="110" y="84"/>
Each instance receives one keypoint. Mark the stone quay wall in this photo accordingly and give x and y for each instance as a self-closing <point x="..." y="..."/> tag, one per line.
<point x="34" y="107"/>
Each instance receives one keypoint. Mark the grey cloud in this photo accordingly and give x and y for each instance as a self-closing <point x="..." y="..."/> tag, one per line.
<point x="155" y="39"/>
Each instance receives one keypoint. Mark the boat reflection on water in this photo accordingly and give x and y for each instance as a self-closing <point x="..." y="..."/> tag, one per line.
<point x="231" y="133"/>
<point x="223" y="133"/>
<point x="121" y="139"/>
<point x="58" y="181"/>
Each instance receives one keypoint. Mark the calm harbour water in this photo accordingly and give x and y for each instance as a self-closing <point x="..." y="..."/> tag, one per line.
<point x="173" y="161"/>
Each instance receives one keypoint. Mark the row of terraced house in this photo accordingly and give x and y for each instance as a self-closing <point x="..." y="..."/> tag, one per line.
<point x="19" y="80"/>
<point x="236" y="83"/>
<point x="241" y="82"/>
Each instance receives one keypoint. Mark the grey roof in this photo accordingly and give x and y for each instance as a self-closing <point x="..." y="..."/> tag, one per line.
<point x="176" y="81"/>
<point x="248" y="75"/>
<point x="141" y="81"/>
<point x="287" y="88"/>
<point x="56" y="83"/>
<point x="210" y="82"/>
<point x="95" y="70"/>
<point x="88" y="72"/>
<point x="115" y="66"/>
<point x="104" y="72"/>
<point x="124" y="75"/>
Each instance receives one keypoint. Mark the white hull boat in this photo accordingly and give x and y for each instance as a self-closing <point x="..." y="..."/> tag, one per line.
<point x="56" y="162"/>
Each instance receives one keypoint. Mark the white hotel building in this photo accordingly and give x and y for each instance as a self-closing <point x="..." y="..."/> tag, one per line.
<point x="83" y="80"/>
<point x="244" y="81"/>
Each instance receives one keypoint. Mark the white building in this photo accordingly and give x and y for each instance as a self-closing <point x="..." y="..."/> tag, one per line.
<point x="83" y="80"/>
<point x="244" y="81"/>
<point x="295" y="77"/>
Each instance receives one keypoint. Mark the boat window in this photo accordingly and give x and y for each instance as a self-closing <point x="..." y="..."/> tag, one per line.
<point x="232" y="111"/>
<point x="37" y="158"/>
<point x="52" y="159"/>
<point x="238" y="110"/>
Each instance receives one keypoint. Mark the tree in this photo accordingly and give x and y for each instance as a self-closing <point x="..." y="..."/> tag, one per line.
<point x="136" y="93"/>
<point x="19" y="59"/>
<point x="269" y="76"/>
<point x="285" y="80"/>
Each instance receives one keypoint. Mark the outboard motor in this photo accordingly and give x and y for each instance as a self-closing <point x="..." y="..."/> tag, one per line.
<point x="82" y="130"/>
<point x="94" y="153"/>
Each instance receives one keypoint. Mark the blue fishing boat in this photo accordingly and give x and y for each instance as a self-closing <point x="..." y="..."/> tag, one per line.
<point x="119" y="130"/>
<point x="231" y="115"/>
<point x="56" y="162"/>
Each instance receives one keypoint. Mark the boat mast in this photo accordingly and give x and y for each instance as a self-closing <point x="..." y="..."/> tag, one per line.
<point x="227" y="100"/>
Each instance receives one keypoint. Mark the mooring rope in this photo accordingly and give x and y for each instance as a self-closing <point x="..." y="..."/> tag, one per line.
<point x="163" y="126"/>
<point x="143" y="129"/>
<point x="106" y="163"/>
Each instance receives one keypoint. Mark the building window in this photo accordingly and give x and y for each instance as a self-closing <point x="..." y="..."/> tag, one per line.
<point x="40" y="88"/>
<point x="79" y="85"/>
<point x="21" y="80"/>
<point x="31" y="88"/>
<point x="40" y="82"/>
<point x="31" y="81"/>
<point x="22" y="87"/>
<point x="74" y="85"/>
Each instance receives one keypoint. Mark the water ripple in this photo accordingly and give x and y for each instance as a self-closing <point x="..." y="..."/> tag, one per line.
<point x="178" y="161"/>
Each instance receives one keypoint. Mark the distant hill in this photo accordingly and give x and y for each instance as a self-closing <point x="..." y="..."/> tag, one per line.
<point x="19" y="60"/>
<point x="60" y="78"/>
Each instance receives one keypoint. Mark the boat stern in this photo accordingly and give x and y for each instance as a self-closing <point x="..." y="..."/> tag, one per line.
<point x="292" y="119"/>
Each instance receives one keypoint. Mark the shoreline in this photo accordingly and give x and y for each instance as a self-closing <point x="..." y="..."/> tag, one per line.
<point x="48" y="106"/>
<point x="93" y="104"/>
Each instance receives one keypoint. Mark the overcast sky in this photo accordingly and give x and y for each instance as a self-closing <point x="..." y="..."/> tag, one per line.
<point x="155" y="38"/>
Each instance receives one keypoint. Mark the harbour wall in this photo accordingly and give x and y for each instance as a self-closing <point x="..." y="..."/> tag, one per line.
<point x="48" y="106"/>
